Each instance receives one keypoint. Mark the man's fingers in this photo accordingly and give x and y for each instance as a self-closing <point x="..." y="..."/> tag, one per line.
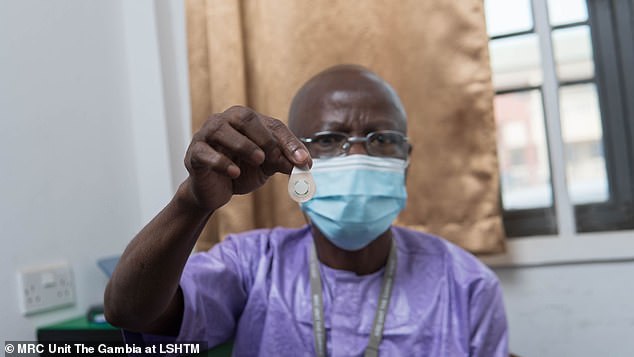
<point x="250" y="123"/>
<point x="202" y="157"/>
<point x="226" y="139"/>
<point x="241" y="135"/>
<point x="292" y="148"/>
<point x="282" y="149"/>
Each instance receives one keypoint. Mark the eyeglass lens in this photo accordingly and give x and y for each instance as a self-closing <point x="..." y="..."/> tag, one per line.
<point x="382" y="143"/>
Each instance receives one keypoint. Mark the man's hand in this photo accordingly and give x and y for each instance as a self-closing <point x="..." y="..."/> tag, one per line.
<point x="235" y="152"/>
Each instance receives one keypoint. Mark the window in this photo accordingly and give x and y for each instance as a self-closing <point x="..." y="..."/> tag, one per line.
<point x="563" y="72"/>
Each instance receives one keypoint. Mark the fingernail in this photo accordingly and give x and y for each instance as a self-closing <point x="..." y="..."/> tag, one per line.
<point x="300" y="155"/>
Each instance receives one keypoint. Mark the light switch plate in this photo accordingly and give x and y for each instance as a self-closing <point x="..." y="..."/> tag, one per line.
<point x="46" y="288"/>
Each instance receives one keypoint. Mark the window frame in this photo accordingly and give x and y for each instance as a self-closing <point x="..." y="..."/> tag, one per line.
<point x="610" y="27"/>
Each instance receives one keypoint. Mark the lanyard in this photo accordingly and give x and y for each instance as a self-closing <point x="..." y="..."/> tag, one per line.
<point x="379" y="319"/>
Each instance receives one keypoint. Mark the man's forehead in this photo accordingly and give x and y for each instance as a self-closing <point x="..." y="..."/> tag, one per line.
<point x="344" y="88"/>
<point x="350" y="105"/>
<point x="343" y="80"/>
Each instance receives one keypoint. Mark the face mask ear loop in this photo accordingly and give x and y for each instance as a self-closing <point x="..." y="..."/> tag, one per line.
<point x="406" y="169"/>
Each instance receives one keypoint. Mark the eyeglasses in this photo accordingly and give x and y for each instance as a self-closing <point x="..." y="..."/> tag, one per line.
<point x="385" y="143"/>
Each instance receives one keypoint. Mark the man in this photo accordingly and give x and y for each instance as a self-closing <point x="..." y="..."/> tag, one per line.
<point x="349" y="283"/>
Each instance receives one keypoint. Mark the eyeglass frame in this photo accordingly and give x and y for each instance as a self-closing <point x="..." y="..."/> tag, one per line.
<point x="351" y="140"/>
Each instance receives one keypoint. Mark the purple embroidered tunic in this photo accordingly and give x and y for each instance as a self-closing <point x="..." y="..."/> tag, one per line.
<point x="254" y="289"/>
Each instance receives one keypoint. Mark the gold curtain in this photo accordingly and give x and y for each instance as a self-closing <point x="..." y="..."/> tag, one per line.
<point x="434" y="53"/>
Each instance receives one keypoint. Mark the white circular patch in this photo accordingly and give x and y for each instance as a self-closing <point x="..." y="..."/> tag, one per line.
<point x="301" y="186"/>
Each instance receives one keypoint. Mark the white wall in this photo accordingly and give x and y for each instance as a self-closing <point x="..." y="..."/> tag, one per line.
<point x="581" y="310"/>
<point x="84" y="155"/>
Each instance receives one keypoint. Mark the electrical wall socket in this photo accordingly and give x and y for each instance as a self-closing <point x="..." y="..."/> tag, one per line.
<point x="45" y="288"/>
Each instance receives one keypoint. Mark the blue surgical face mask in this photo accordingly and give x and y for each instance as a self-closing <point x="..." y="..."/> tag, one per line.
<point x="357" y="198"/>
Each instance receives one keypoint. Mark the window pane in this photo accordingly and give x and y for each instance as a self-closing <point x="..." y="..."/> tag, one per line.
<point x="567" y="11"/>
<point x="522" y="150"/>
<point x="515" y="62"/>
<point x="508" y="16"/>
<point x="573" y="53"/>
<point x="581" y="129"/>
